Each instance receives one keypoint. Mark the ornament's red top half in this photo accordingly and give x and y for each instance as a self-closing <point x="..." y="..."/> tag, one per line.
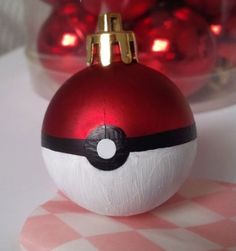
<point x="132" y="97"/>
<point x="128" y="95"/>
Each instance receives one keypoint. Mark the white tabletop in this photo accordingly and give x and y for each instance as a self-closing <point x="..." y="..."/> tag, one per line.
<point x="24" y="181"/>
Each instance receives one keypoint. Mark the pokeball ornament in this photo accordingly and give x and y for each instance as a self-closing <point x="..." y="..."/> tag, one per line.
<point x="118" y="138"/>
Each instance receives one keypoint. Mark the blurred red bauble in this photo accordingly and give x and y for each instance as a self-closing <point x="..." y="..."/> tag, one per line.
<point x="62" y="38"/>
<point x="180" y="45"/>
<point x="212" y="7"/>
<point x="129" y="9"/>
<point x="224" y="30"/>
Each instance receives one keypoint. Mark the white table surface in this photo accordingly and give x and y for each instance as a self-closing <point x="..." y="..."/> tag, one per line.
<point x="24" y="181"/>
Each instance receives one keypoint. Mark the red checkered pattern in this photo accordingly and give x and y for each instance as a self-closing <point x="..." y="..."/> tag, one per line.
<point x="200" y="217"/>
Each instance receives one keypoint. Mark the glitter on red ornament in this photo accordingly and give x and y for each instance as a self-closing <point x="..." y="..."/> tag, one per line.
<point x="69" y="40"/>
<point x="216" y="29"/>
<point x="62" y="38"/>
<point x="129" y="9"/>
<point x="160" y="45"/>
<point x="179" y="44"/>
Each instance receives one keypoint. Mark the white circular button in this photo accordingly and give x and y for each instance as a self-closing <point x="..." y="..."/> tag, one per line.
<point x="106" y="149"/>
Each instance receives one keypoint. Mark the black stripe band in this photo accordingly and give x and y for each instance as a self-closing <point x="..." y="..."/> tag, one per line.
<point x="162" y="140"/>
<point x="72" y="146"/>
<point x="137" y="144"/>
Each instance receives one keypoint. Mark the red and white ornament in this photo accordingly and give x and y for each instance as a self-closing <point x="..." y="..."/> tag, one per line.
<point x="179" y="44"/>
<point x="118" y="140"/>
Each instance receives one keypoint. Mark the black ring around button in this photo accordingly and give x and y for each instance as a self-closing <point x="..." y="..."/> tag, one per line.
<point x="118" y="137"/>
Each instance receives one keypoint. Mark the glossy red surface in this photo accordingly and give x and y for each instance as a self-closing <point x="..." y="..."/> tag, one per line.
<point x="129" y="9"/>
<point x="212" y="7"/>
<point x="64" y="35"/>
<point x="132" y="97"/>
<point x="179" y="44"/>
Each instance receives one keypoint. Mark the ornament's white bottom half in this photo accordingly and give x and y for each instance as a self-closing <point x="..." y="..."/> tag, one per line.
<point x="200" y="217"/>
<point x="145" y="181"/>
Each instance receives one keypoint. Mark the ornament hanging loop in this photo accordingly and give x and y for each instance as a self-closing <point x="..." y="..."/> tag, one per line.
<point x="111" y="33"/>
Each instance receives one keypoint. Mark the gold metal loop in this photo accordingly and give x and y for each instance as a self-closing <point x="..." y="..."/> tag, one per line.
<point x="111" y="32"/>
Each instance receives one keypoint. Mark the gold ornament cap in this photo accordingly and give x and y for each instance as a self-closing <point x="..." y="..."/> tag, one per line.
<point x="111" y="33"/>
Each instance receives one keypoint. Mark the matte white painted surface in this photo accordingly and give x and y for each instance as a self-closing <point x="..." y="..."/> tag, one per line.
<point x="146" y="180"/>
